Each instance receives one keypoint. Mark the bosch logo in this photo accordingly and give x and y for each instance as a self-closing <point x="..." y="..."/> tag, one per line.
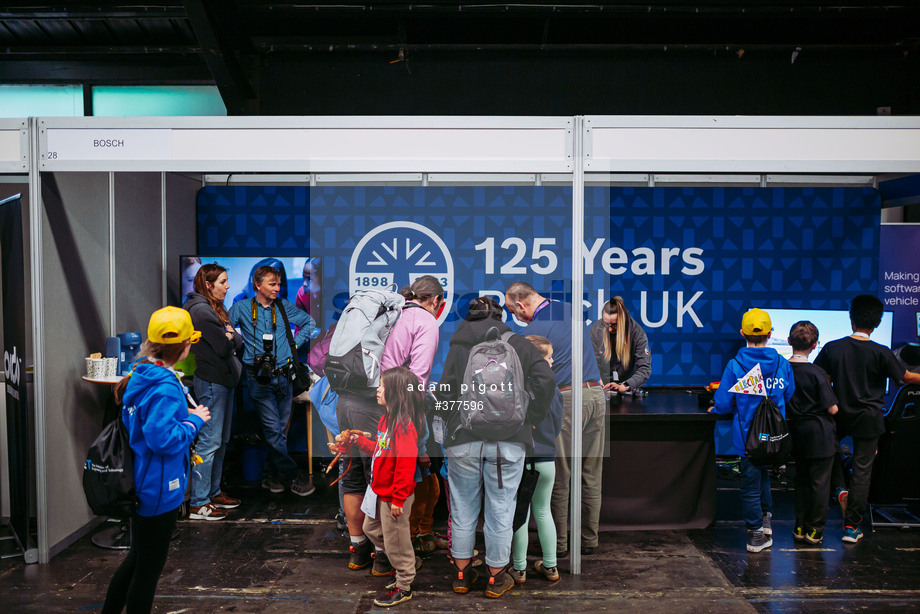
<point x="11" y="366"/>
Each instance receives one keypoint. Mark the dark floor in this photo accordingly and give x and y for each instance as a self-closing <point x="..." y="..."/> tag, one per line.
<point x="283" y="554"/>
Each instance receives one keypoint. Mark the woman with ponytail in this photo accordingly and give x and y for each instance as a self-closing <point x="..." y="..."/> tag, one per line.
<point x="217" y="372"/>
<point x="621" y="348"/>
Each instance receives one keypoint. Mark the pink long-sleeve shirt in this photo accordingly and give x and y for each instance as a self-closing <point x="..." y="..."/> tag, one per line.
<point x="414" y="339"/>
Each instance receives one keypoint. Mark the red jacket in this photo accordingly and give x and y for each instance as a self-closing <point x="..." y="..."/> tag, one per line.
<point x="395" y="457"/>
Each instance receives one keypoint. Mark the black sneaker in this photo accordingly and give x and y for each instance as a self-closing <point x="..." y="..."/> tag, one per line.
<point x="767" y="519"/>
<point x="814" y="537"/>
<point x="382" y="565"/>
<point x="499" y="584"/>
<point x="394" y="596"/>
<point x="464" y="578"/>
<point x="302" y="487"/>
<point x="798" y="534"/>
<point x="340" y="523"/>
<point x="272" y="485"/>
<point x="757" y="541"/>
<point x="361" y="555"/>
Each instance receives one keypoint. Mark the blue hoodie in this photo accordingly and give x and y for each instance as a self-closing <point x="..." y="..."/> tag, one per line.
<point x="779" y="380"/>
<point x="161" y="431"/>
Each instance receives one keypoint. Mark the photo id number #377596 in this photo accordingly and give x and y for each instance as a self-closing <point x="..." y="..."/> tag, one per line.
<point x="458" y="405"/>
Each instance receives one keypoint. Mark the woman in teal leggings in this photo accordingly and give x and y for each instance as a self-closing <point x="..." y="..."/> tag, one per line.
<point x="544" y="444"/>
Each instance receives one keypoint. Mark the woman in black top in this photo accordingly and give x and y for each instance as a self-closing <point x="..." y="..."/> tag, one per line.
<point x="621" y="348"/>
<point x="217" y="372"/>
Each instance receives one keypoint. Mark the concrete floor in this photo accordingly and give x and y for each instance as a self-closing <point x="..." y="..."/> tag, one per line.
<point x="282" y="554"/>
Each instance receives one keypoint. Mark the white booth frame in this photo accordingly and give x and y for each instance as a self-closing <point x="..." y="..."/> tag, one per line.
<point x="627" y="150"/>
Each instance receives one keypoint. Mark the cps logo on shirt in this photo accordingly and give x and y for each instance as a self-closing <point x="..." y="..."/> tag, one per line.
<point x="775" y="382"/>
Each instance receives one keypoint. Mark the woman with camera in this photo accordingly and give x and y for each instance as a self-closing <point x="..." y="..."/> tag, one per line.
<point x="217" y="372"/>
<point x="268" y="363"/>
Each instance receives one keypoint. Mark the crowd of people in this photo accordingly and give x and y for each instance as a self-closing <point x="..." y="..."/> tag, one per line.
<point x="386" y="432"/>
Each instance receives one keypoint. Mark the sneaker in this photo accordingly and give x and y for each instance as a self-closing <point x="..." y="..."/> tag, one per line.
<point x="382" y="565"/>
<point x="392" y="583"/>
<point x="302" y="487"/>
<point x="851" y="535"/>
<point x="340" y="523"/>
<point x="842" y="496"/>
<point x="360" y="555"/>
<point x="394" y="596"/>
<point x="587" y="550"/>
<point x="519" y="576"/>
<point x="499" y="584"/>
<point x="272" y="485"/>
<point x="225" y="501"/>
<point x="757" y="541"/>
<point x="767" y="524"/>
<point x="441" y="541"/>
<point x="798" y="534"/>
<point x="427" y="542"/>
<point x="814" y="537"/>
<point x="464" y="578"/>
<point x="550" y="573"/>
<point x="206" y="512"/>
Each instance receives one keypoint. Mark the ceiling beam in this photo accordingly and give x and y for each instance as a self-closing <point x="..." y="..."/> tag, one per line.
<point x="221" y="52"/>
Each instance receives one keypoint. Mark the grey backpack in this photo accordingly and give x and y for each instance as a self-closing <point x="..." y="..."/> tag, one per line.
<point x="493" y="400"/>
<point x="353" y="362"/>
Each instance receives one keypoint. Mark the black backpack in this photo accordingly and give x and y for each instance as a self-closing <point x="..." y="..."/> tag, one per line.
<point x="768" y="441"/>
<point x="108" y="475"/>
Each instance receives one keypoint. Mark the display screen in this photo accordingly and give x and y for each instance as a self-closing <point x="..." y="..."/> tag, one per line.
<point x="831" y="325"/>
<point x="301" y="279"/>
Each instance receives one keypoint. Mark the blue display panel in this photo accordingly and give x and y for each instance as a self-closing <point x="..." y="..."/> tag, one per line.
<point x="687" y="261"/>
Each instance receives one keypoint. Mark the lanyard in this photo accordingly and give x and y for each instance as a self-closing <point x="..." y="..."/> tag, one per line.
<point x="539" y="308"/>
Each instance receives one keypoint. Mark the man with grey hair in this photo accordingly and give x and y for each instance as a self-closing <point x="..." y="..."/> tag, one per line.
<point x="553" y="320"/>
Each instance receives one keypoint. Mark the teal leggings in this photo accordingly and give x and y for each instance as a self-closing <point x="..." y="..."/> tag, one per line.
<point x="546" y="529"/>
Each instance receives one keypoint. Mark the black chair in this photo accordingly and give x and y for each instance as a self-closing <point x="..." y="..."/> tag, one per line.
<point x="894" y="496"/>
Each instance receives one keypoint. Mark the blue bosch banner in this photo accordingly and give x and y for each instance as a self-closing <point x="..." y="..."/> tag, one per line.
<point x="687" y="261"/>
<point x="900" y="279"/>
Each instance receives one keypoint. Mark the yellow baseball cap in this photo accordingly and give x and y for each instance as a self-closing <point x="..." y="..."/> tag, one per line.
<point x="756" y="322"/>
<point x="172" y="325"/>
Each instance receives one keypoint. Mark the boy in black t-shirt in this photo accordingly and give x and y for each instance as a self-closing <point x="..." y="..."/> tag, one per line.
<point x="814" y="440"/>
<point x="859" y="370"/>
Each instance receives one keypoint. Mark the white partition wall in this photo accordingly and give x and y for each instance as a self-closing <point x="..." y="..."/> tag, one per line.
<point x="115" y="172"/>
<point x="839" y="145"/>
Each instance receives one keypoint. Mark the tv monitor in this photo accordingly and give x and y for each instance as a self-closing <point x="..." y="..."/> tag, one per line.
<point x="301" y="279"/>
<point x="832" y="324"/>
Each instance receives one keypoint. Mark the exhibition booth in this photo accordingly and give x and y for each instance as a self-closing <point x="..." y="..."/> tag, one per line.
<point x="691" y="219"/>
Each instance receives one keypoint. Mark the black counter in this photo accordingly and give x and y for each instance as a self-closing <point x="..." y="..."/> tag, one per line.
<point x="660" y="468"/>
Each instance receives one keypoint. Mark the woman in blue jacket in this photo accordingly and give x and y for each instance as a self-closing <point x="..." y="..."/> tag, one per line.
<point x="161" y="427"/>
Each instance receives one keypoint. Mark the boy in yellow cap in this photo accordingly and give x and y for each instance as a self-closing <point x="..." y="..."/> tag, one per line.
<point x="756" y="371"/>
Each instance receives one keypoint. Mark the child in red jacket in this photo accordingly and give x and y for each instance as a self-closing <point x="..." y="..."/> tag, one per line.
<point x="389" y="499"/>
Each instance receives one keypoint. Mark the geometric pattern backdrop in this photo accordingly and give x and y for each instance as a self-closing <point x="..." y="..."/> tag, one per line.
<point x="812" y="248"/>
<point x="708" y="254"/>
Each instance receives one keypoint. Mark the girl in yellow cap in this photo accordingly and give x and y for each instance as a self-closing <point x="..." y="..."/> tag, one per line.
<point x="161" y="427"/>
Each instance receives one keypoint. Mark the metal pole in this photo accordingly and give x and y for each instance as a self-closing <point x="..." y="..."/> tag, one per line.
<point x="578" y="324"/>
<point x="36" y="223"/>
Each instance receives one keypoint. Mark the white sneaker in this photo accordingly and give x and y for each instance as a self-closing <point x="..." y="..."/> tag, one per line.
<point x="207" y="512"/>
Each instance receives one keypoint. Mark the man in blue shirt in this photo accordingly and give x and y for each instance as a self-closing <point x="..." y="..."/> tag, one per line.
<point x="553" y="320"/>
<point x="269" y="381"/>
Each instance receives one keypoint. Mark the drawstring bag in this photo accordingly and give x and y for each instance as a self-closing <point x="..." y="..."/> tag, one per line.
<point x="108" y="475"/>
<point x="768" y="441"/>
<point x="525" y="493"/>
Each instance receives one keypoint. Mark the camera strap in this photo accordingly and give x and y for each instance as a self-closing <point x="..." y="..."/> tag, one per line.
<point x="255" y="314"/>
<point x="255" y="320"/>
<point x="287" y="330"/>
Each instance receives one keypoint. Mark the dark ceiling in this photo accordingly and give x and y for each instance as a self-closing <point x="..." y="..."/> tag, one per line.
<point x="230" y="42"/>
